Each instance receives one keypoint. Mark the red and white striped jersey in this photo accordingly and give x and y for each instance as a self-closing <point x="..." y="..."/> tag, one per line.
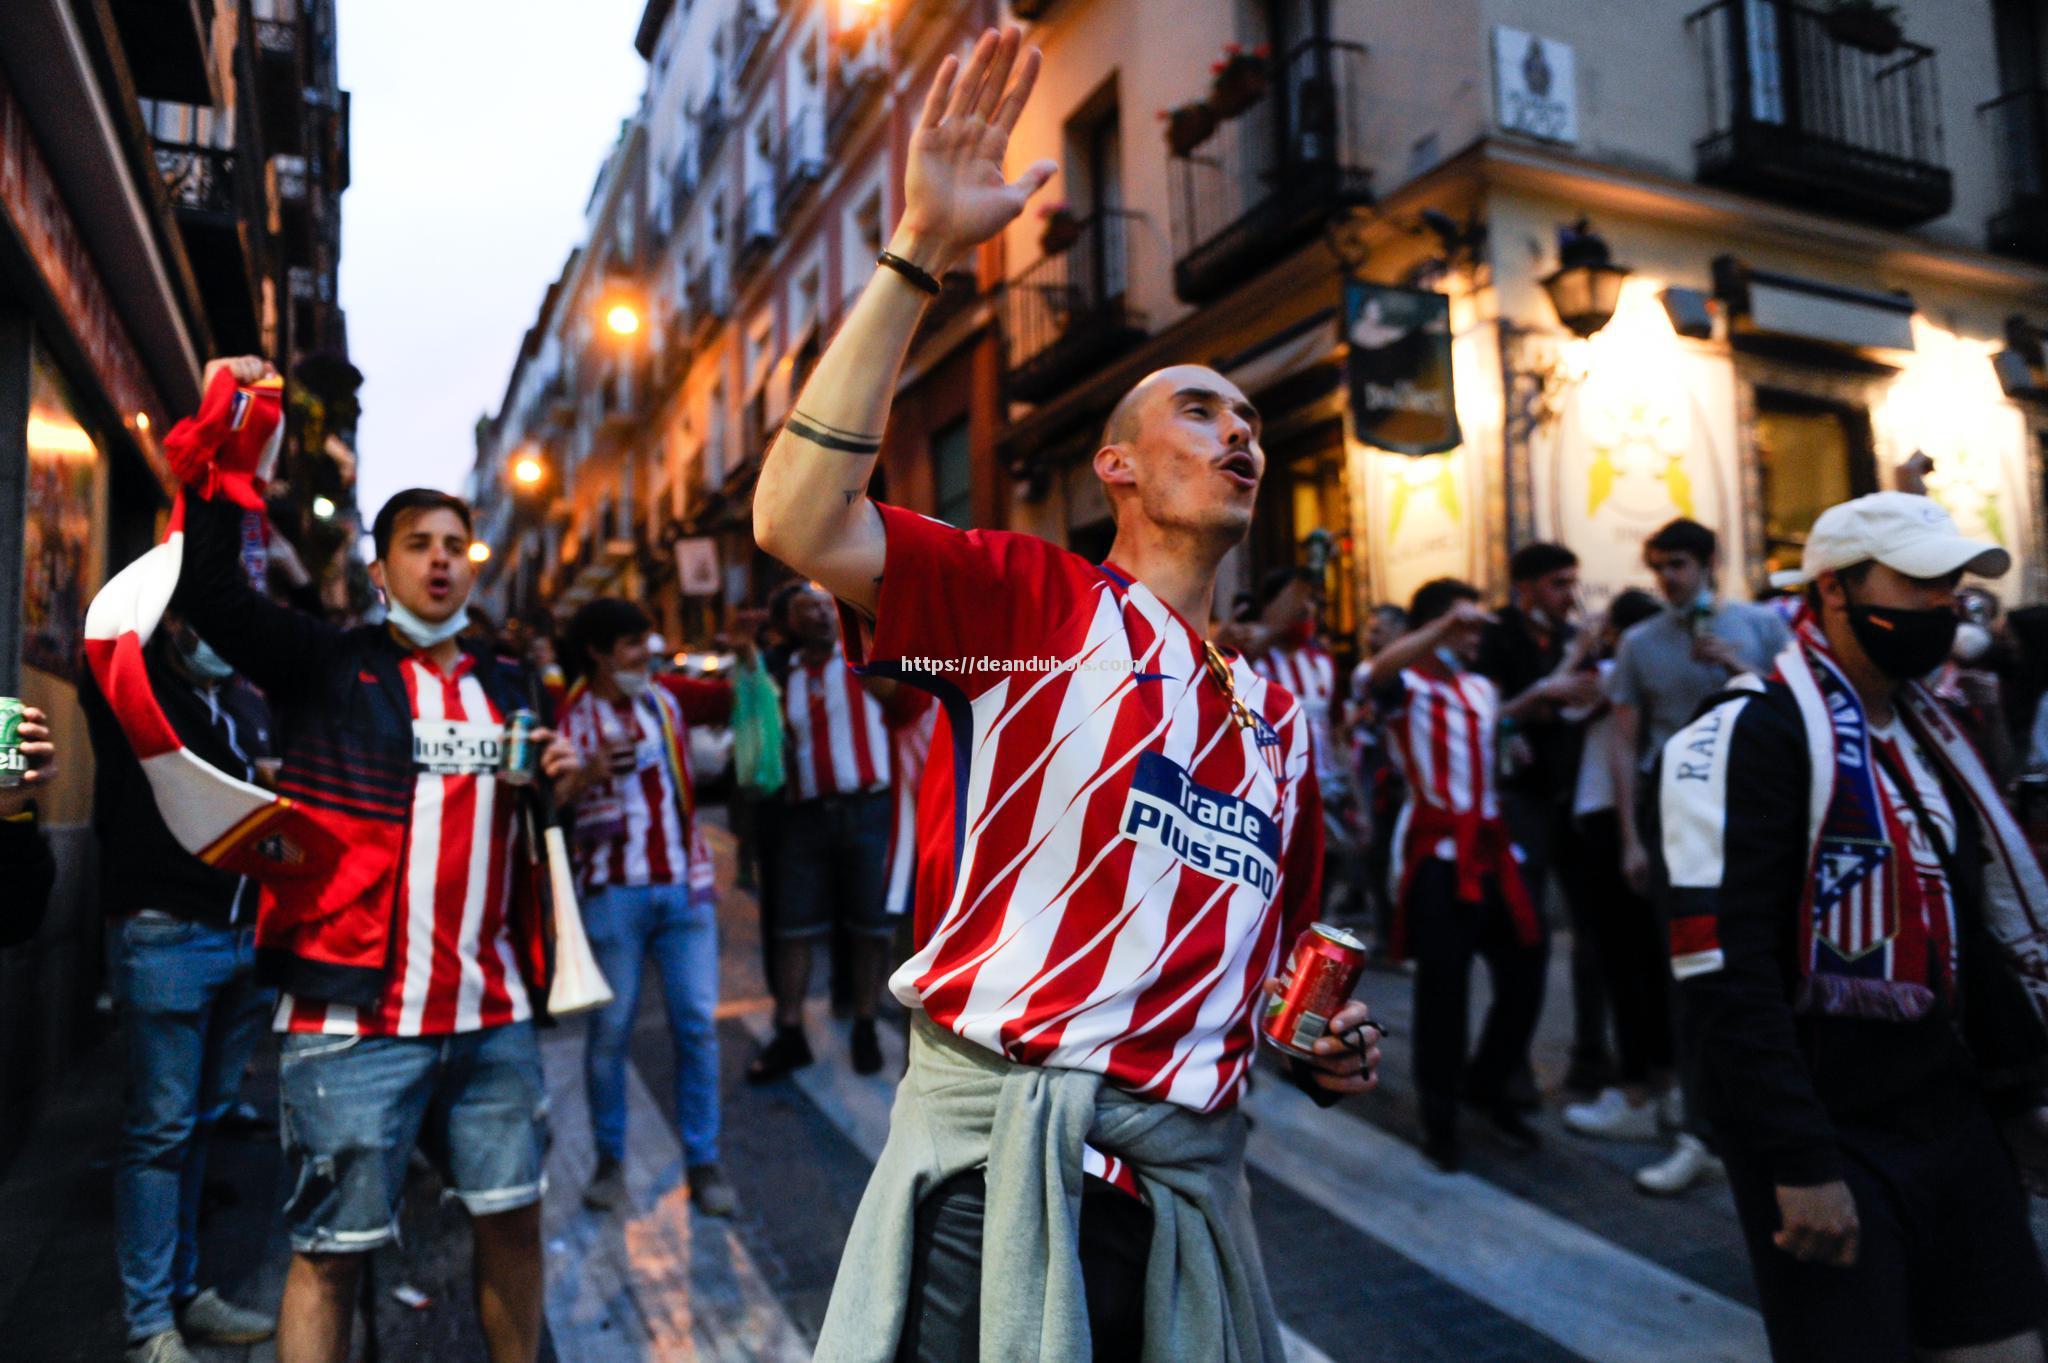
<point x="1309" y="674"/>
<point x="911" y="717"/>
<point x="1440" y="726"/>
<point x="1127" y="862"/>
<point x="838" y="744"/>
<point x="633" y="825"/>
<point x="453" y="967"/>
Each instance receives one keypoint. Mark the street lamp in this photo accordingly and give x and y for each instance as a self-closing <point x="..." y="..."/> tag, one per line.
<point x="1586" y="286"/>
<point x="479" y="552"/>
<point x="528" y="471"/>
<point x="623" y="319"/>
<point x="323" y="508"/>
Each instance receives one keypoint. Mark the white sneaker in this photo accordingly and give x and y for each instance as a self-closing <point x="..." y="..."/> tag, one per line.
<point x="1687" y="1164"/>
<point x="1671" y="1109"/>
<point x="1612" y="1117"/>
<point x="165" y="1346"/>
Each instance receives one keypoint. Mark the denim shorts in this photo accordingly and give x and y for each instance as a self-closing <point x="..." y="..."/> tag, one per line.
<point x="831" y="867"/>
<point x="353" y="1108"/>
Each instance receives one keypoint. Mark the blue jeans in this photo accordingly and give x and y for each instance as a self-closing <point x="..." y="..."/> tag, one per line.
<point x="354" y="1108"/>
<point x="626" y="925"/>
<point x="193" y="1013"/>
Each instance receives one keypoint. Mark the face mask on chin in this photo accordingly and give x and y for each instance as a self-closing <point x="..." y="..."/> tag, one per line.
<point x="424" y="633"/>
<point x="632" y="681"/>
<point x="205" y="663"/>
<point x="1449" y="658"/>
<point x="1904" y="644"/>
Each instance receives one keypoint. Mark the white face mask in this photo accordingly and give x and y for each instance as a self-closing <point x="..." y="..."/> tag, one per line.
<point x="1973" y="641"/>
<point x="1450" y="658"/>
<point x="205" y="663"/>
<point x="424" y="633"/>
<point x="633" y="682"/>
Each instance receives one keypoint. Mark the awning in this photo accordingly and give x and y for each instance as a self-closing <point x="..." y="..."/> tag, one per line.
<point x="1764" y="302"/>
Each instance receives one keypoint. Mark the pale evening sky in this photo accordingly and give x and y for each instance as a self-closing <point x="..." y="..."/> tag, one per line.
<point x="477" y="130"/>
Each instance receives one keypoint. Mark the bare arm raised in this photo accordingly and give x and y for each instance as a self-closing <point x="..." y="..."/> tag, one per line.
<point x="810" y="507"/>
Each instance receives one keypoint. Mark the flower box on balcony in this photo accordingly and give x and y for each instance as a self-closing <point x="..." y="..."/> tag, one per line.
<point x="1242" y="79"/>
<point x="1188" y="127"/>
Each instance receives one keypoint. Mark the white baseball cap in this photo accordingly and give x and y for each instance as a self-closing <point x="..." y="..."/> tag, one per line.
<point x="1905" y="532"/>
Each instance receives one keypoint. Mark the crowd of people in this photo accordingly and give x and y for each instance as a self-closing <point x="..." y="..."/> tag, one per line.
<point x="1071" y="825"/>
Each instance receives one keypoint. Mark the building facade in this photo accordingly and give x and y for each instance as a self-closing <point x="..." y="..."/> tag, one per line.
<point x="1829" y="234"/>
<point x="736" y="219"/>
<point x="169" y="182"/>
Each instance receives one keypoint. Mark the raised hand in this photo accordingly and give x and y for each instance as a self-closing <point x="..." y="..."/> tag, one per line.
<point x="955" y="196"/>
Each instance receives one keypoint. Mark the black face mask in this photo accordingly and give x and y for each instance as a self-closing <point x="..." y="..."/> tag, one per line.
<point x="1905" y="644"/>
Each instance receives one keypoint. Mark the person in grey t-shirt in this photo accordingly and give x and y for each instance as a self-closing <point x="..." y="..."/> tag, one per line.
<point x="1671" y="662"/>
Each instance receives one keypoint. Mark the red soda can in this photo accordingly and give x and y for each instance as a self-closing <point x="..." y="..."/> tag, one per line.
<point x="1321" y="972"/>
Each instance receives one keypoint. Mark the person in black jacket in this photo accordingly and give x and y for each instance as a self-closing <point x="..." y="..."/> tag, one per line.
<point x="1854" y="925"/>
<point x="185" y="978"/>
<point x="26" y="866"/>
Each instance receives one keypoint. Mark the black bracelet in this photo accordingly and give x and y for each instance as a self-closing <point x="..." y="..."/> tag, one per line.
<point x="918" y="276"/>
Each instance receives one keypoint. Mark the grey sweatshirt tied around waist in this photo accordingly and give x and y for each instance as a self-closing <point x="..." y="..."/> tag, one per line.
<point x="961" y="1107"/>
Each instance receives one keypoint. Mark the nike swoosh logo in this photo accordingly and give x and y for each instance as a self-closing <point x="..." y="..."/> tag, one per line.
<point x="1150" y="676"/>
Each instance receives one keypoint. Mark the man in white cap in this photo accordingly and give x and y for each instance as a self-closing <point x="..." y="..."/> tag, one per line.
<point x="1861" y="937"/>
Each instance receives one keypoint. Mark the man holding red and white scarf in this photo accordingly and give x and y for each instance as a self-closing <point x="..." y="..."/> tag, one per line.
<point x="1861" y="937"/>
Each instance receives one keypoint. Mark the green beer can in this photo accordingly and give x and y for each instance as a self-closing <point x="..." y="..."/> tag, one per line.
<point x="13" y="762"/>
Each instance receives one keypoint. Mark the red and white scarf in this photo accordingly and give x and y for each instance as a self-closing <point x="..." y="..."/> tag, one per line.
<point x="1854" y="847"/>
<point x="227" y="449"/>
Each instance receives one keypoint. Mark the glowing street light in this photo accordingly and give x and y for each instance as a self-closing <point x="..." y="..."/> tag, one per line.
<point x="142" y="422"/>
<point x="623" y="319"/>
<point x="323" y="508"/>
<point x="479" y="552"/>
<point x="527" y="471"/>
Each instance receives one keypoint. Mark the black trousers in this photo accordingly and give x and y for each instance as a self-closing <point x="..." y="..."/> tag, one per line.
<point x="943" y="1321"/>
<point x="1445" y="935"/>
<point x="1552" y="847"/>
<point x="1628" y="941"/>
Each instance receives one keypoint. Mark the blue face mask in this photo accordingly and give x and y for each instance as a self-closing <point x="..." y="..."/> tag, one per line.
<point x="205" y="663"/>
<point x="424" y="633"/>
<point x="1449" y="658"/>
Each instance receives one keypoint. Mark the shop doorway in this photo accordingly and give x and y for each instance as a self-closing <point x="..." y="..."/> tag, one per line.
<point x="1305" y="491"/>
<point x="1811" y="453"/>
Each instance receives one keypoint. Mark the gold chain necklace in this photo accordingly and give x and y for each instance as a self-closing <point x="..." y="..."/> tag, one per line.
<point x="1220" y="671"/>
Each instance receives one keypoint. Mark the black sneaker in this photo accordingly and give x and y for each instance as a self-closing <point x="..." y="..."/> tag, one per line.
<point x="1445" y="1153"/>
<point x="607" y="1188"/>
<point x="1589" y="1073"/>
<point x="1514" y="1130"/>
<point x="867" y="1051"/>
<point x="787" y="1051"/>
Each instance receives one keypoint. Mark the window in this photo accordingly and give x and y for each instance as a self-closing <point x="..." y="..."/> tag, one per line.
<point x="952" y="474"/>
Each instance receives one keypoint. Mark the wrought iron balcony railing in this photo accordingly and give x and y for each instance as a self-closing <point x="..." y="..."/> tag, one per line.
<point x="757" y="223"/>
<point x="202" y="181"/>
<point x="1263" y="183"/>
<point x="2018" y="123"/>
<point x="803" y="161"/>
<point x="277" y="39"/>
<point x="1805" y="108"/>
<point x="853" y="88"/>
<point x="1066" y="314"/>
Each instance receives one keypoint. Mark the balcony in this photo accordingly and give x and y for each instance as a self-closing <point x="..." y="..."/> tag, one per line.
<point x="802" y="163"/>
<point x="757" y="225"/>
<point x="1264" y="183"/>
<point x="1066" y="316"/>
<point x="853" y="90"/>
<point x="278" y="40"/>
<point x="749" y="41"/>
<point x="202" y="183"/>
<point x="2018" y="124"/>
<point x="708" y="298"/>
<point x="1803" y="112"/>
<point x="711" y="121"/>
